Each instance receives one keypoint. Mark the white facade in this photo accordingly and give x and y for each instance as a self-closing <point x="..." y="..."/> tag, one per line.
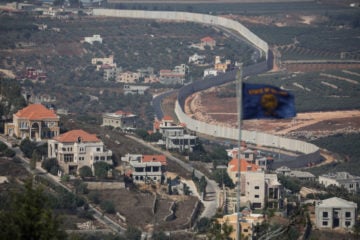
<point x="255" y="189"/>
<point x="120" y="119"/>
<point x="210" y="72"/>
<point x="146" y="171"/>
<point x="341" y="179"/>
<point x="197" y="59"/>
<point x="94" y="38"/>
<point x="73" y="154"/>
<point x="335" y="213"/>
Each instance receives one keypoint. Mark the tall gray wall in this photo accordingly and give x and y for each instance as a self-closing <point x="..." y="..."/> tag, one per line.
<point x="191" y="17"/>
<point x="310" y="150"/>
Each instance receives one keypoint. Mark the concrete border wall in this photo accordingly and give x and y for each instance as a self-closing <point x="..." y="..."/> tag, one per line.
<point x="189" y="17"/>
<point x="312" y="153"/>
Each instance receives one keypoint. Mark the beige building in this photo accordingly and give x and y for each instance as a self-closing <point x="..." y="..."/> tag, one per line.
<point x="120" y="119"/>
<point x="77" y="148"/>
<point x="335" y="213"/>
<point x="128" y="77"/>
<point x="35" y="122"/>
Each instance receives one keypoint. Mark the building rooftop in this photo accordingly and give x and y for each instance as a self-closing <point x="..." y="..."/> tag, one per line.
<point x="76" y="136"/>
<point x="155" y="158"/>
<point x="244" y="166"/>
<point x="36" y="112"/>
<point x="341" y="176"/>
<point x="336" y="202"/>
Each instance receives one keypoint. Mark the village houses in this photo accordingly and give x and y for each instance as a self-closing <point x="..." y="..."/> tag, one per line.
<point x="341" y="179"/>
<point x="146" y="168"/>
<point x="94" y="38"/>
<point x="120" y="119"/>
<point x="174" y="135"/>
<point x="35" y="122"/>
<point x="77" y="148"/>
<point x="207" y="42"/>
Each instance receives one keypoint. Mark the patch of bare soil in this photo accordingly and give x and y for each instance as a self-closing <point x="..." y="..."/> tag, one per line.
<point x="309" y="125"/>
<point x="137" y="208"/>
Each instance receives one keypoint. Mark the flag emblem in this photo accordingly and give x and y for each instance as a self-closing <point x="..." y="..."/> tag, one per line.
<point x="266" y="101"/>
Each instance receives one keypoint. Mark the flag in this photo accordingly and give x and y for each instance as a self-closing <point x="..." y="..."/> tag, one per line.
<point x="266" y="101"/>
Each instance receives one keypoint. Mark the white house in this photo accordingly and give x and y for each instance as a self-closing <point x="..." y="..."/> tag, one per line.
<point x="335" y="213"/>
<point x="196" y="59"/>
<point x="341" y="179"/>
<point x="174" y="135"/>
<point x="146" y="168"/>
<point x="94" y="38"/>
<point x="77" y="148"/>
<point x="120" y="119"/>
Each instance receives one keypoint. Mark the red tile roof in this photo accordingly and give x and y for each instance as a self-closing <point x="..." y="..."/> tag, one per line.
<point x="74" y="135"/>
<point x="244" y="166"/>
<point x="207" y="39"/>
<point x="154" y="158"/>
<point x="167" y="118"/>
<point x="36" y="112"/>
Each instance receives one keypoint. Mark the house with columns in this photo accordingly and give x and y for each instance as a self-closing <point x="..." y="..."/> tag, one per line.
<point x="35" y="122"/>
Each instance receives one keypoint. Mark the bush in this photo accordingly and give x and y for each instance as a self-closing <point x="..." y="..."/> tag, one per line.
<point x="50" y="165"/>
<point x="9" y="153"/>
<point x="101" y="169"/>
<point x="85" y="171"/>
<point x="108" y="206"/>
<point x="94" y="197"/>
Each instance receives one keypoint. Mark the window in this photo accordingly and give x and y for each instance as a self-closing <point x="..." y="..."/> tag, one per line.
<point x="347" y="223"/>
<point x="246" y="230"/>
<point x="325" y="214"/>
<point x="256" y="196"/>
<point x="348" y="214"/>
<point x="102" y="158"/>
<point x="68" y="158"/>
<point x="98" y="149"/>
<point x="324" y="223"/>
<point x="257" y="187"/>
<point x="351" y="185"/>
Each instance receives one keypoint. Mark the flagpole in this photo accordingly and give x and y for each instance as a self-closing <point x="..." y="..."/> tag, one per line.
<point x="239" y="109"/>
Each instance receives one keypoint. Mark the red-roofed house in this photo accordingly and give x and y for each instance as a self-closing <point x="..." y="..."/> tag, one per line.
<point x="35" y="122"/>
<point x="208" y="41"/>
<point x="77" y="148"/>
<point x="146" y="168"/>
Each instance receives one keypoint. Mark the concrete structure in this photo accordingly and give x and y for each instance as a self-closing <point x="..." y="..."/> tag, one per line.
<point x="94" y="38"/>
<point x="120" y="119"/>
<point x="135" y="89"/>
<point x="174" y="135"/>
<point x="296" y="174"/>
<point x="341" y="179"/>
<point x="220" y="66"/>
<point x="311" y="151"/>
<point x="146" y="168"/>
<point x="35" y="122"/>
<point x="247" y="222"/>
<point x="210" y="72"/>
<point x="104" y="62"/>
<point x="128" y="77"/>
<point x="197" y="59"/>
<point x="335" y="213"/>
<point x="77" y="148"/>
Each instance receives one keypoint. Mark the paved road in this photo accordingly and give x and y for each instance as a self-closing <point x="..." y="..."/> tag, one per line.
<point x="211" y="200"/>
<point x="156" y="103"/>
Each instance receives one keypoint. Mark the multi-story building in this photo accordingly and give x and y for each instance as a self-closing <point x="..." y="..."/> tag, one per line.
<point x="174" y="135"/>
<point x="128" y="77"/>
<point x="302" y="175"/>
<point x="335" y="213"/>
<point x="35" y="122"/>
<point x="120" y="119"/>
<point x="197" y="59"/>
<point x="146" y="168"/>
<point x="77" y="148"/>
<point x="341" y="179"/>
<point x="256" y="187"/>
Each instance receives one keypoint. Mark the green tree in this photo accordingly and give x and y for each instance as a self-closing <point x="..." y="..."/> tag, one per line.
<point x="101" y="169"/>
<point x="221" y="176"/>
<point x="85" y="172"/>
<point x="50" y="165"/>
<point x="108" y="206"/>
<point x="30" y="217"/>
<point x="203" y="225"/>
<point x="27" y="147"/>
<point x="133" y="233"/>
